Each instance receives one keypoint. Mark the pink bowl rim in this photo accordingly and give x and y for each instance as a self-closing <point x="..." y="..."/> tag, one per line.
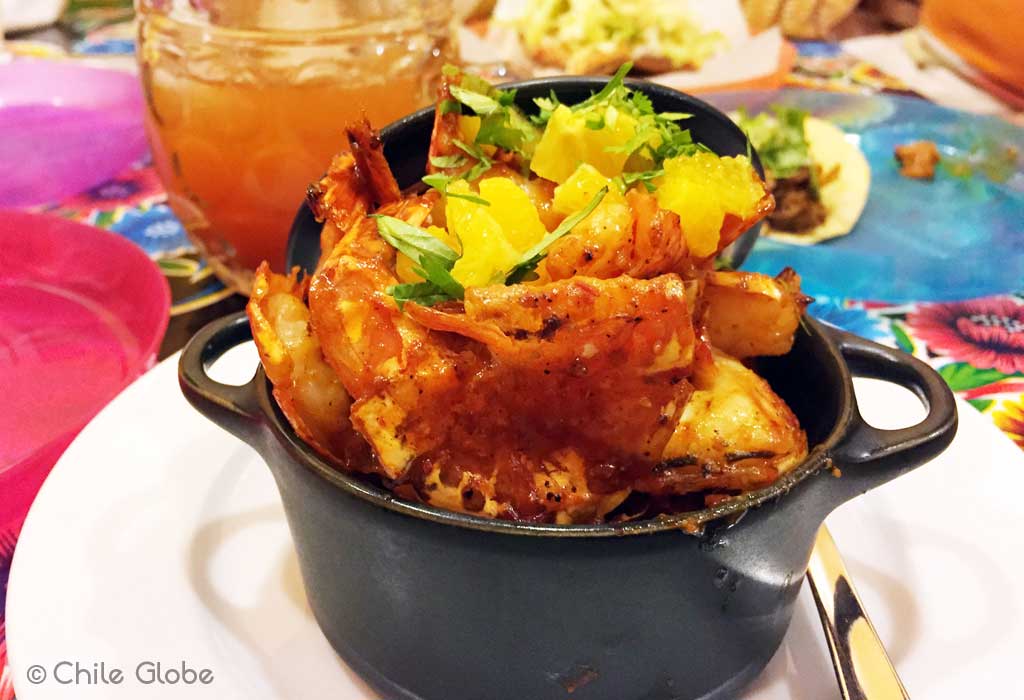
<point x="149" y="345"/>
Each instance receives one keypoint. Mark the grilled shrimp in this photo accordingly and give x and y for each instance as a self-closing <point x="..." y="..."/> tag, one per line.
<point x="637" y="238"/>
<point x="487" y="397"/>
<point x="735" y="434"/>
<point x="633" y="238"/>
<point x="748" y="314"/>
<point x="584" y="381"/>
<point x="446" y="128"/>
<point x="552" y="400"/>
<point x="305" y="386"/>
<point x="356" y="180"/>
<point x="368" y="340"/>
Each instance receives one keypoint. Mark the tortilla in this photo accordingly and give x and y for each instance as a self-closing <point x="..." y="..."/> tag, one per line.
<point x="845" y="196"/>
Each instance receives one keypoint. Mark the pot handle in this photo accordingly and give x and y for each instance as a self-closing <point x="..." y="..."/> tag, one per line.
<point x="234" y="408"/>
<point x="876" y="455"/>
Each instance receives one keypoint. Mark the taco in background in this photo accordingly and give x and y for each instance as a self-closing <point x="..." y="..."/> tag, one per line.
<point x="820" y="180"/>
<point x="597" y="36"/>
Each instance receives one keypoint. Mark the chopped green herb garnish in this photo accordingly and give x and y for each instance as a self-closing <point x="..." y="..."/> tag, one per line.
<point x="447" y="106"/>
<point x="779" y="139"/>
<point x="436" y="259"/>
<point x="470" y="149"/>
<point x="433" y="256"/>
<point x="657" y="136"/>
<point x="423" y="293"/>
<point x="507" y="98"/>
<point x="474" y="83"/>
<point x="496" y="130"/>
<point x="502" y="123"/>
<point x="444" y="162"/>
<point x="547" y="105"/>
<point x="483" y="163"/>
<point x="435" y="271"/>
<point x="468" y="197"/>
<point x="642" y="103"/>
<point x="440" y="183"/>
<point x="532" y="257"/>
<point x="480" y="104"/>
<point x="614" y="85"/>
<point x="645" y="177"/>
<point x="413" y="240"/>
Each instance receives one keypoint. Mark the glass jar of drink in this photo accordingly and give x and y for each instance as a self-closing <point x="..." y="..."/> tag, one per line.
<point x="247" y="100"/>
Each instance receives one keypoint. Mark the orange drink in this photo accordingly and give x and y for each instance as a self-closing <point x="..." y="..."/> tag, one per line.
<point x="241" y="121"/>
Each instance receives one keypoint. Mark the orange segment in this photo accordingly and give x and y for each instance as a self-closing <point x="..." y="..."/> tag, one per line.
<point x="702" y="189"/>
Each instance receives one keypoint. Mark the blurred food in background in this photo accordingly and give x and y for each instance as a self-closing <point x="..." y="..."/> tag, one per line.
<point x="800" y="19"/>
<point x="596" y="36"/>
<point x="819" y="178"/>
<point x="244" y="99"/>
<point x="917" y="159"/>
<point x="830" y="19"/>
<point x="689" y="45"/>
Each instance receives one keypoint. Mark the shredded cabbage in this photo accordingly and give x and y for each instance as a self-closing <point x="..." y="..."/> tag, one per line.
<point x="585" y="33"/>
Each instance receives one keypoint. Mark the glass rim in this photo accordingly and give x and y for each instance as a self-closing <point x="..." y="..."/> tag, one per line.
<point x="164" y="22"/>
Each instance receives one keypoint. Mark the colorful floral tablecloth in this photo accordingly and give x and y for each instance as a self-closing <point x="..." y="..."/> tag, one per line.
<point x="977" y="345"/>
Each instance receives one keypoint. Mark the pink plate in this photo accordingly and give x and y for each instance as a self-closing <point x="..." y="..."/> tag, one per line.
<point x="65" y="129"/>
<point x="82" y="313"/>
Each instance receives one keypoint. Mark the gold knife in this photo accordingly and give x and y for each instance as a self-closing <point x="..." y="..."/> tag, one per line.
<point x="862" y="665"/>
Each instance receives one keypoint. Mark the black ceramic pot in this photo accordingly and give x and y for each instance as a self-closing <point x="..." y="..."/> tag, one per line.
<point x="434" y="605"/>
<point x="428" y="604"/>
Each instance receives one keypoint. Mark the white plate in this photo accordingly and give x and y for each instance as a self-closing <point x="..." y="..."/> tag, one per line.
<point x="160" y="538"/>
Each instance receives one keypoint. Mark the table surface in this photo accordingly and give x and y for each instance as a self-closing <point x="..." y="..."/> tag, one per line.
<point x="134" y="204"/>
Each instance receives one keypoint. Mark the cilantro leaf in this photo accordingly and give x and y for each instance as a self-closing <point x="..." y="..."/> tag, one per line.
<point x="656" y="136"/>
<point x="468" y="197"/>
<point x="645" y="177"/>
<point x="503" y="124"/>
<point x="434" y="257"/>
<point x="480" y="104"/>
<point x="414" y="241"/>
<point x="434" y="270"/>
<point x="446" y="106"/>
<point x="437" y="181"/>
<point x="422" y="293"/>
<point x="440" y="183"/>
<point x="483" y="163"/>
<point x="546" y="105"/>
<point x="506" y="98"/>
<point x="444" y="162"/>
<point x="615" y="83"/>
<point x="508" y="128"/>
<point x="529" y="260"/>
<point x="471" y="150"/>
<point x="595" y="121"/>
<point x="474" y="83"/>
<point x="496" y="131"/>
<point x="676" y="141"/>
<point x="642" y="103"/>
<point x="479" y="169"/>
